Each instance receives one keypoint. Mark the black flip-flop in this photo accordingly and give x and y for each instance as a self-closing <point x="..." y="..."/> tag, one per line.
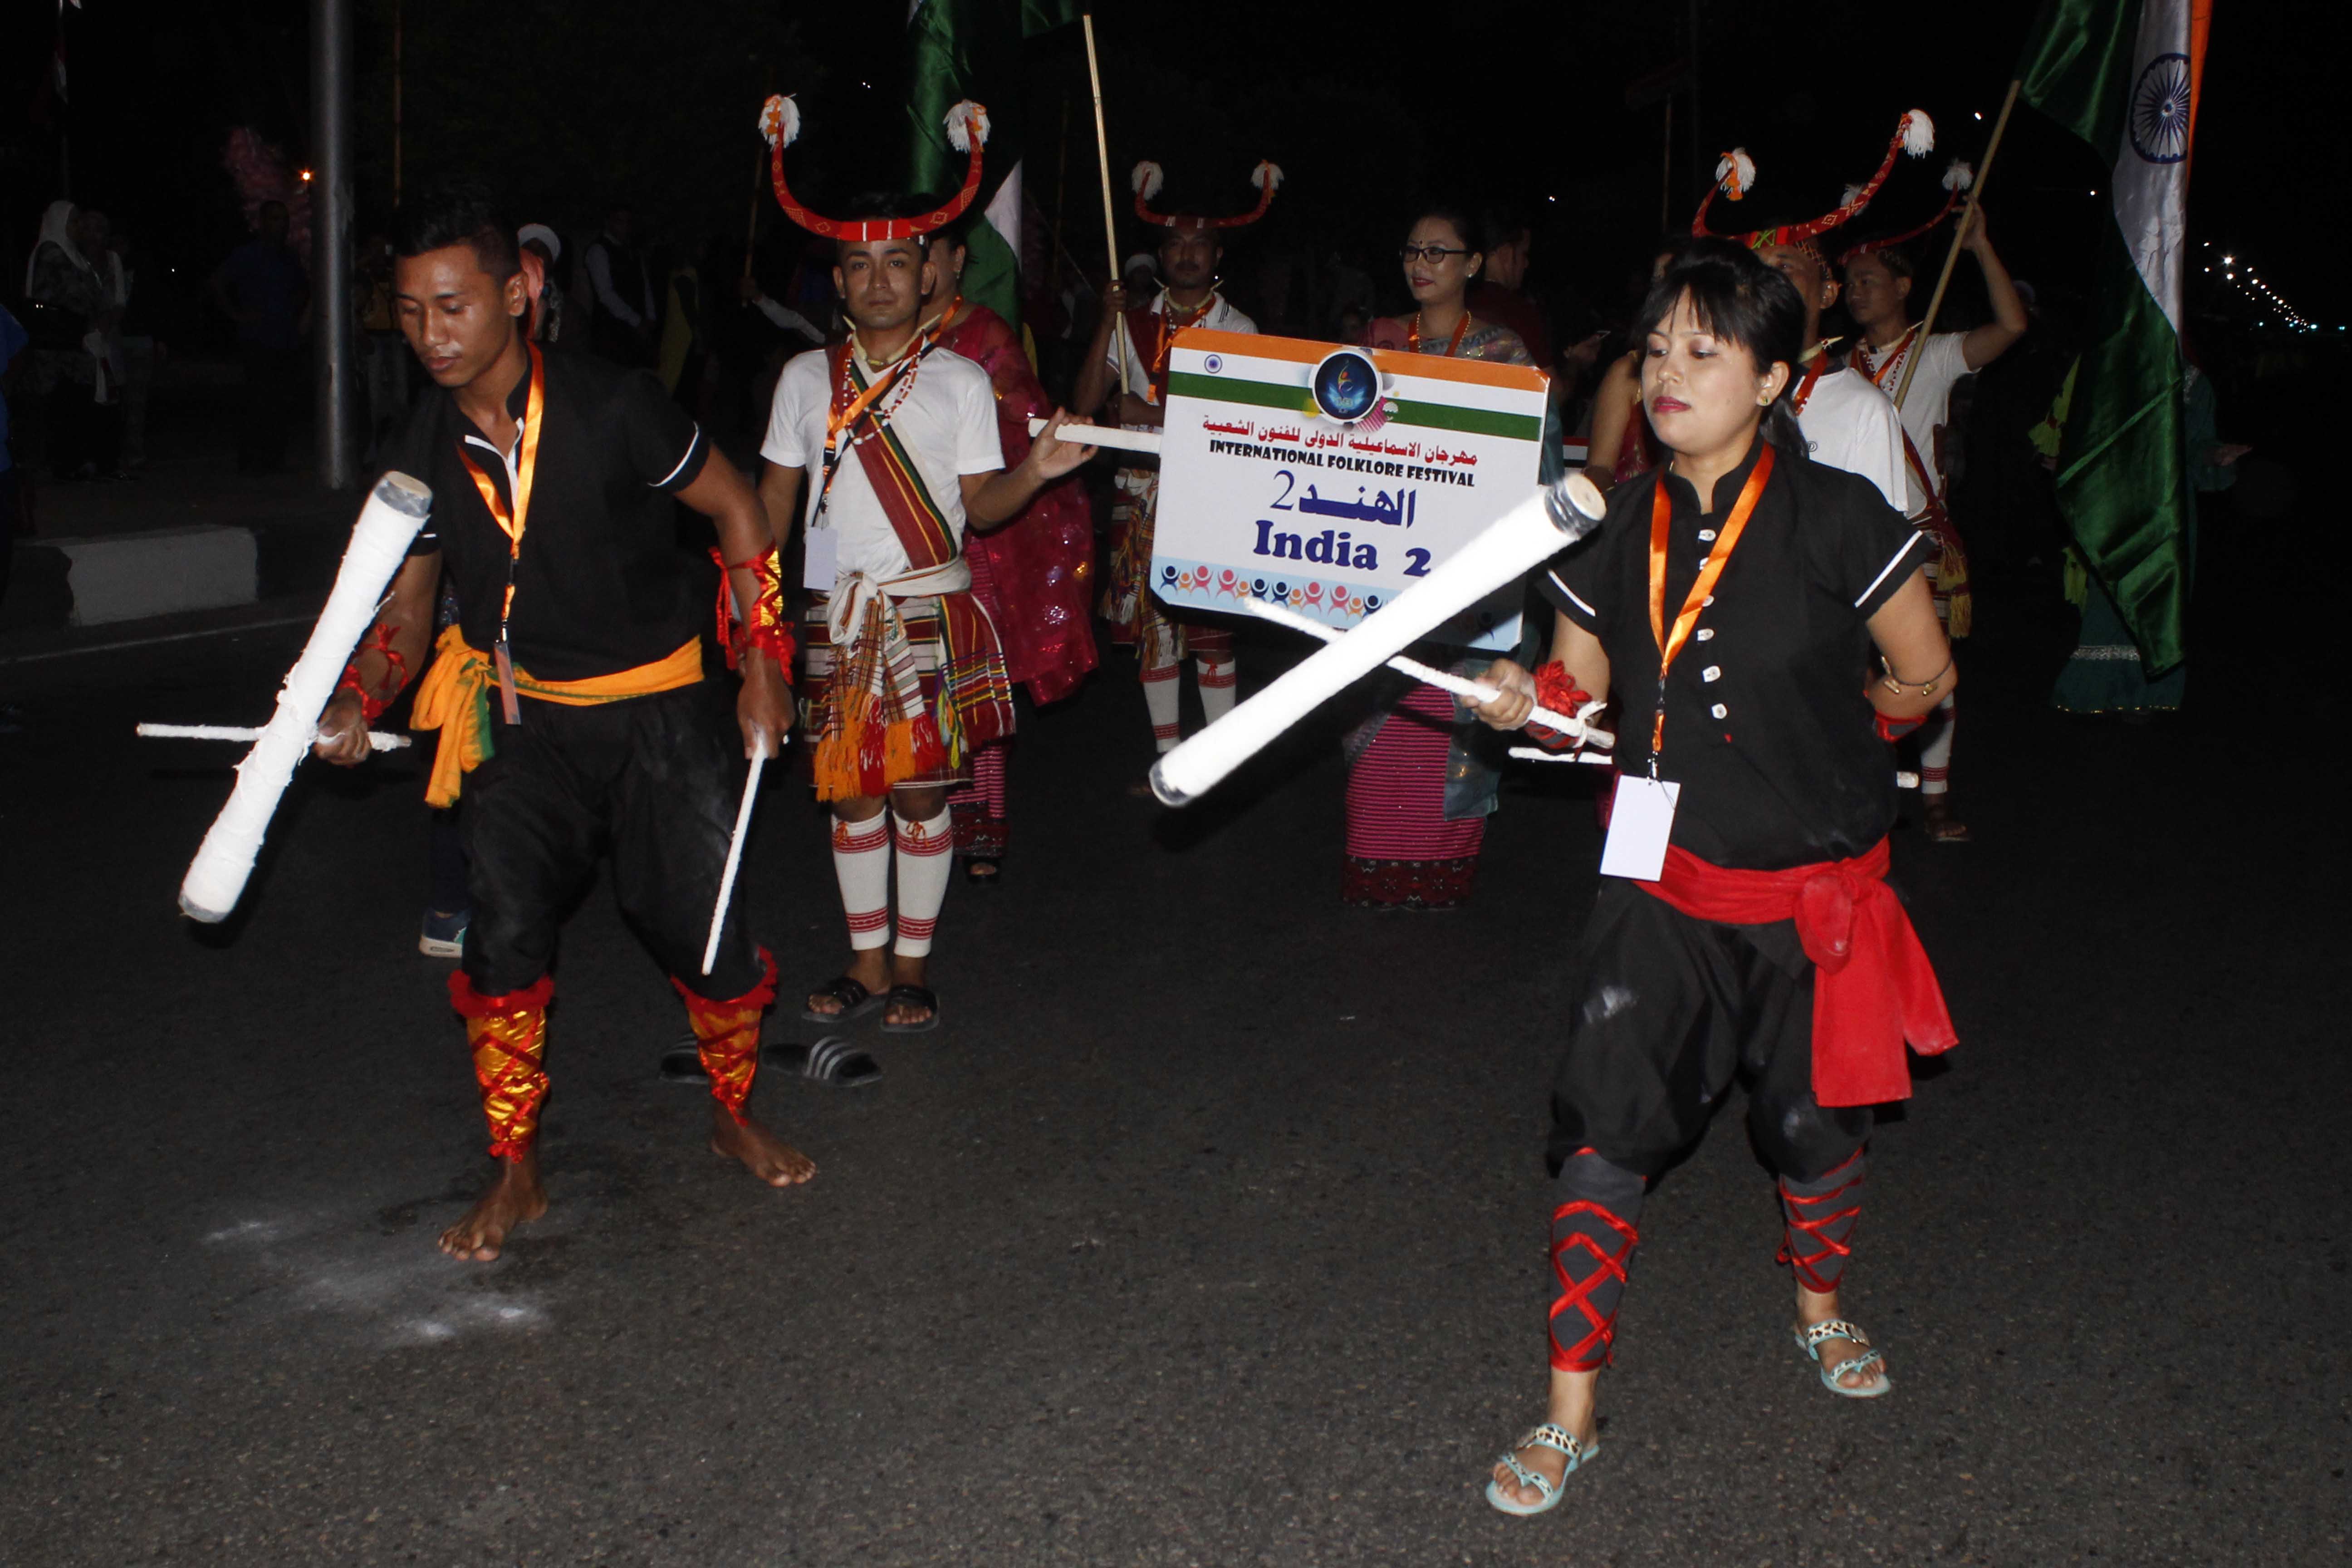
<point x="682" y="1063"/>
<point x="920" y="996"/>
<point x="855" y="999"/>
<point x="832" y="1060"/>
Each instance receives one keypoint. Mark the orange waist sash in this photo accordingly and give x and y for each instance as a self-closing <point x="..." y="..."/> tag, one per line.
<point x="455" y="699"/>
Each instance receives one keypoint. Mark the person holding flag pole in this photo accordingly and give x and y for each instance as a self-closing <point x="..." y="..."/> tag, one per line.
<point x="2123" y="76"/>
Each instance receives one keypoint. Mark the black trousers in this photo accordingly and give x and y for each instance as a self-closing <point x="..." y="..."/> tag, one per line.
<point x="1668" y="1010"/>
<point x="653" y="782"/>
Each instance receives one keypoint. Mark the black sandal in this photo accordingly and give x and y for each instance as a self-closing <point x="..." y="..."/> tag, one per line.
<point x="855" y="999"/>
<point x="832" y="1060"/>
<point x="920" y="996"/>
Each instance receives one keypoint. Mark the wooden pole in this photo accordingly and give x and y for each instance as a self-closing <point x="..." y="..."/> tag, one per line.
<point x="1952" y="257"/>
<point x="1666" y="170"/>
<point x="395" y="101"/>
<point x="758" y="189"/>
<point x="1110" y="222"/>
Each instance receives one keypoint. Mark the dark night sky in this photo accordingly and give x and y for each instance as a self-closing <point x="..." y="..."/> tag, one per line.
<point x="572" y="102"/>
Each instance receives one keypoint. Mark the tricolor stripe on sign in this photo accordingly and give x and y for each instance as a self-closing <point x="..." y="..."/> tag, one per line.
<point x="1274" y="373"/>
<point x="2123" y="75"/>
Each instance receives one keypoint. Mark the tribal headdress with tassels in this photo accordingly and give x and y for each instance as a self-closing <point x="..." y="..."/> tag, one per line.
<point x="966" y="125"/>
<point x="1957" y="181"/>
<point x="1735" y="176"/>
<point x="1149" y="177"/>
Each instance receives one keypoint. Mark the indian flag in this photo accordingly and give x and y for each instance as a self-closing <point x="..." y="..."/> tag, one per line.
<point x="2122" y="75"/>
<point x="971" y="49"/>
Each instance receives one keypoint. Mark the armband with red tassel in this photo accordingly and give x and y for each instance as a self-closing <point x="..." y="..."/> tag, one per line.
<point x="763" y="626"/>
<point x="1556" y="690"/>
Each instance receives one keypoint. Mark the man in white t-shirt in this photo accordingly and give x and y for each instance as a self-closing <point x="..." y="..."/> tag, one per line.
<point x="1878" y="283"/>
<point x="1130" y="354"/>
<point x="885" y="448"/>
<point x="1848" y="422"/>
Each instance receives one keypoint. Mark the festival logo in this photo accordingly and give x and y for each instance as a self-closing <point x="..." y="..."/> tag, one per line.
<point x="1346" y="388"/>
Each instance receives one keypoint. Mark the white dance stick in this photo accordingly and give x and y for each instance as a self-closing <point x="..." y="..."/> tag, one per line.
<point x="1537" y="754"/>
<point x="1523" y="538"/>
<point x="377" y="738"/>
<point x="380" y="541"/>
<point x="734" y="854"/>
<point x="1430" y="675"/>
<point x="1103" y="436"/>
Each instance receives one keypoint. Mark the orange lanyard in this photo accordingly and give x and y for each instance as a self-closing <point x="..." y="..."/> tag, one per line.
<point x="1452" y="344"/>
<point x="1168" y="326"/>
<point x="512" y="525"/>
<point x="1670" y="644"/>
<point x="845" y="414"/>
<point x="1894" y="354"/>
<point x="1805" y="387"/>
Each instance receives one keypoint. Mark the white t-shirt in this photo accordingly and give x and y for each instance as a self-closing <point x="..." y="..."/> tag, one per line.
<point x="946" y="424"/>
<point x="1222" y="317"/>
<point x="1849" y="424"/>
<point x="1927" y="406"/>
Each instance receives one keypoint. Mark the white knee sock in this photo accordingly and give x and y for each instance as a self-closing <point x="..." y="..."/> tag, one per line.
<point x="1160" y="685"/>
<point x="861" y="860"/>
<point x="1217" y="682"/>
<point x="923" y="869"/>
<point x="1936" y="748"/>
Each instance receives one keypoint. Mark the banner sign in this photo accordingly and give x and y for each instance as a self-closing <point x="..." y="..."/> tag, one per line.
<point x="1327" y="478"/>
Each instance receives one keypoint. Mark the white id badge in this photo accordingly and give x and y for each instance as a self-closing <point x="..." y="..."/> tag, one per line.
<point x="1640" y="821"/>
<point x="820" y="560"/>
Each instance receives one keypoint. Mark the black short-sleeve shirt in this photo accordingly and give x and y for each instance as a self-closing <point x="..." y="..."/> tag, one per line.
<point x="601" y="585"/>
<point x="1767" y="727"/>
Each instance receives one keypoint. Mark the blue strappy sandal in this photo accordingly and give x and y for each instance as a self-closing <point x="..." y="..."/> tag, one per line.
<point x="1556" y="1438"/>
<point x="1811" y="1337"/>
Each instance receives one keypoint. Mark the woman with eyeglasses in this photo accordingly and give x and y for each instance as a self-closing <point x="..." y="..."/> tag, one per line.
<point x="1420" y="781"/>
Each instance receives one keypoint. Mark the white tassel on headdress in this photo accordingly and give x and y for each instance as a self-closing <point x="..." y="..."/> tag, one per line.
<point x="1959" y="176"/>
<point x="960" y="119"/>
<point x="1147" y="179"/>
<point x="1735" y="173"/>
<point x="780" y="116"/>
<point x="1852" y="194"/>
<point x="1266" y="176"/>
<point x="1919" y="133"/>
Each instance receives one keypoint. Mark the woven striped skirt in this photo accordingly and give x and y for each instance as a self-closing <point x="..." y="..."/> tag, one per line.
<point x="957" y="662"/>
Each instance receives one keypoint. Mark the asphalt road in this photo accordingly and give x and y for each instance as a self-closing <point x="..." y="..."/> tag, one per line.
<point x="1208" y="1230"/>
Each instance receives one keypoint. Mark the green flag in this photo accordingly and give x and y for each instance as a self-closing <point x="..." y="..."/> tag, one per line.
<point x="971" y="49"/>
<point x="2123" y="76"/>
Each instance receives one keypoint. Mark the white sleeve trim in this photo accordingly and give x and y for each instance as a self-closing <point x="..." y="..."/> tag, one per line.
<point x="691" y="448"/>
<point x="1587" y="608"/>
<point x="1908" y="546"/>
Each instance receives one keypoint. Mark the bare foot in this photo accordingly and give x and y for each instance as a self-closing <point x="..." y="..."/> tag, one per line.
<point x="1571" y="1407"/>
<point x="514" y="1197"/>
<point x="1837" y="1353"/>
<point x="763" y="1153"/>
<point x="869" y="966"/>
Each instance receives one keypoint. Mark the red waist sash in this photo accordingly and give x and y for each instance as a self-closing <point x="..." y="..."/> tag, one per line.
<point x="1873" y="989"/>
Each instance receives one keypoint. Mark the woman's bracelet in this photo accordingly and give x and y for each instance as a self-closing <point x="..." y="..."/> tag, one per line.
<point x="1901" y="688"/>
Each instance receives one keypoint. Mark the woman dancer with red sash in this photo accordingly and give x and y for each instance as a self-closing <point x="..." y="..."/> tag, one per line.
<point x="1764" y="625"/>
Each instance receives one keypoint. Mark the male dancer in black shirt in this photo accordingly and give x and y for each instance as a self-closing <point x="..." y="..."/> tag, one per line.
<point x="571" y="688"/>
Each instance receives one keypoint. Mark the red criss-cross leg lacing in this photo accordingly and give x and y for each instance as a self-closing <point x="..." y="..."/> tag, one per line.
<point x="1813" y="1217"/>
<point x="1598" y="1343"/>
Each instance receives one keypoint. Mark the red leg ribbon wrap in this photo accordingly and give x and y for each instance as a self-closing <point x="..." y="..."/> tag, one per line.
<point x="728" y="1033"/>
<point x="1590" y="1250"/>
<point x="509" y="1036"/>
<point x="1819" y="1216"/>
